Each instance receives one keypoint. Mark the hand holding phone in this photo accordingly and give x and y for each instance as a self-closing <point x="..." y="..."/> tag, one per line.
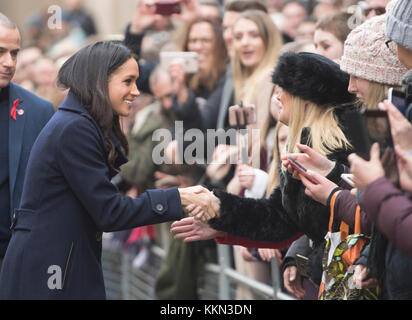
<point x="348" y="178"/>
<point x="189" y="60"/>
<point x="397" y="98"/>
<point x="368" y="127"/>
<point x="301" y="169"/>
<point x="317" y="186"/>
<point x="240" y="116"/>
<point x="168" y="7"/>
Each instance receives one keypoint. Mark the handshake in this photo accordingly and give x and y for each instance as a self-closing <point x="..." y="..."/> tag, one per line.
<point x="200" y="203"/>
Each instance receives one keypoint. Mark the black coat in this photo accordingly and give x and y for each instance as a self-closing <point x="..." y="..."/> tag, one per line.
<point x="287" y="212"/>
<point x="67" y="202"/>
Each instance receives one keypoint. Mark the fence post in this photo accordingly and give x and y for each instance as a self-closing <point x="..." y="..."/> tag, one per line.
<point x="125" y="276"/>
<point x="224" y="263"/>
<point x="275" y="278"/>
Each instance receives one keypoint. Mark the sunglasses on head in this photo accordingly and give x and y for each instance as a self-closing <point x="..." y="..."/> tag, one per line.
<point x="378" y="11"/>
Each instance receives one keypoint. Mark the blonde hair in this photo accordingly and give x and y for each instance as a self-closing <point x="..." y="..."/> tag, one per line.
<point x="325" y="136"/>
<point x="274" y="179"/>
<point x="377" y="92"/>
<point x="246" y="81"/>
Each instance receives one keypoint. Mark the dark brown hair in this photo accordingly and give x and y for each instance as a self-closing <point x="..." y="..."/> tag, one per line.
<point x="87" y="74"/>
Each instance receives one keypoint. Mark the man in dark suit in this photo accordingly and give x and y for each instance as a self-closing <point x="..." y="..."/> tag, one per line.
<point x="22" y="116"/>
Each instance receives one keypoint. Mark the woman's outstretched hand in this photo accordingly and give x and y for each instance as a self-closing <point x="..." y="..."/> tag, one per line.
<point x="190" y="229"/>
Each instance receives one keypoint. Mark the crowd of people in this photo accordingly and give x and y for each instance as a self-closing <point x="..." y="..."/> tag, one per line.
<point x="304" y="68"/>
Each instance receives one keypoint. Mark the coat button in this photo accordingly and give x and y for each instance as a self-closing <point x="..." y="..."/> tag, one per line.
<point x="159" y="207"/>
<point x="99" y="236"/>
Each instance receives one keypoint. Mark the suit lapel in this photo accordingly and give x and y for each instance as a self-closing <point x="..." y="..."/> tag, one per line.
<point x="16" y="130"/>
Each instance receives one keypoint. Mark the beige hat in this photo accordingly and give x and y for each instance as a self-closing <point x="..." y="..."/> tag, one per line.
<point x="367" y="54"/>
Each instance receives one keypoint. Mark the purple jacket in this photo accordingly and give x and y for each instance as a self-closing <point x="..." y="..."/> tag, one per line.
<point x="384" y="205"/>
<point x="391" y="210"/>
<point x="345" y="209"/>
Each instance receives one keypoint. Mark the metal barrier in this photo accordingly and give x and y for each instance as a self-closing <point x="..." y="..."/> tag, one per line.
<point x="125" y="282"/>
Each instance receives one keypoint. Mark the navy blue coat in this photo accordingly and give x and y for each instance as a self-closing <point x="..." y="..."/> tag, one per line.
<point x="22" y="133"/>
<point x="67" y="202"/>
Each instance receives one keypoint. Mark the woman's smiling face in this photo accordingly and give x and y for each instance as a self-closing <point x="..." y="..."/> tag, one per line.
<point x="122" y="87"/>
<point x="248" y="43"/>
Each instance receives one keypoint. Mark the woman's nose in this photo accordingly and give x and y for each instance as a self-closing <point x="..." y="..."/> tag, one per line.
<point x="352" y="88"/>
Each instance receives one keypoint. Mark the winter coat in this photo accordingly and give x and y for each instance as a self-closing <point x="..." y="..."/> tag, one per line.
<point x="390" y="210"/>
<point x="68" y="201"/>
<point x="287" y="212"/>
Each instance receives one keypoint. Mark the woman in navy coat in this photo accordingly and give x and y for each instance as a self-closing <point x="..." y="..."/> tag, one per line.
<point x="68" y="199"/>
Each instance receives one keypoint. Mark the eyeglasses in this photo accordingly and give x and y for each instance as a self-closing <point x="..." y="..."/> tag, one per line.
<point x="203" y="41"/>
<point x="378" y="11"/>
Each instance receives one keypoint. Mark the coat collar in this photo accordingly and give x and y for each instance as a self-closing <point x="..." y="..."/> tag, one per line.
<point x="72" y="103"/>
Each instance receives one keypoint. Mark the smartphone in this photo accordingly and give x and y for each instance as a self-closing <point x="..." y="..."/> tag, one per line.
<point x="240" y="116"/>
<point x="397" y="98"/>
<point x="366" y="128"/>
<point x="168" y="7"/>
<point x="188" y="59"/>
<point x="301" y="263"/>
<point x="301" y="169"/>
<point x="348" y="178"/>
<point x="297" y="165"/>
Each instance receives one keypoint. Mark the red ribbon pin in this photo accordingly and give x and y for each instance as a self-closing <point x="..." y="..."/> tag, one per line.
<point x="14" y="109"/>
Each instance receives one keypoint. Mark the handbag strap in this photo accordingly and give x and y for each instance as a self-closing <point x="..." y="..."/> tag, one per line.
<point x="332" y="209"/>
<point x="344" y="228"/>
<point x="357" y="220"/>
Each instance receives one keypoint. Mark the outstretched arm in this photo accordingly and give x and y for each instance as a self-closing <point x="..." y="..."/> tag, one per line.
<point x="255" y="219"/>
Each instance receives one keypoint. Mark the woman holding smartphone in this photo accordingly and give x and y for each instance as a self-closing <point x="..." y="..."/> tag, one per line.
<point x="68" y="200"/>
<point x="314" y="101"/>
<point x="374" y="66"/>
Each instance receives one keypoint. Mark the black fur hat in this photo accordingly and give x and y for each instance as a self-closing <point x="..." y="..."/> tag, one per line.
<point x="313" y="77"/>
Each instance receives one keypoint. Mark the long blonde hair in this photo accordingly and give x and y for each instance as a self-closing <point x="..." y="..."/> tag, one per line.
<point x="273" y="179"/>
<point x="377" y="93"/>
<point x="325" y="135"/>
<point x="246" y="81"/>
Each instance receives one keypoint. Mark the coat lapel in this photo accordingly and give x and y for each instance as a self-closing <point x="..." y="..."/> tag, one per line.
<point x="16" y="130"/>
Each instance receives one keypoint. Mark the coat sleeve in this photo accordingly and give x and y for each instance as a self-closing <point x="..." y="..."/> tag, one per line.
<point x="345" y="210"/>
<point x="256" y="219"/>
<point x="81" y="158"/>
<point x="391" y="211"/>
<point x="233" y="240"/>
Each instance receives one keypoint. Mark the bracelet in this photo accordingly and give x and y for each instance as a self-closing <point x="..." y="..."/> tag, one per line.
<point x="331" y="194"/>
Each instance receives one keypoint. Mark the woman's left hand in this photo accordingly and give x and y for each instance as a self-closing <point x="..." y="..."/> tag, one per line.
<point x="190" y="229"/>
<point x="365" y="172"/>
<point x="317" y="186"/>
